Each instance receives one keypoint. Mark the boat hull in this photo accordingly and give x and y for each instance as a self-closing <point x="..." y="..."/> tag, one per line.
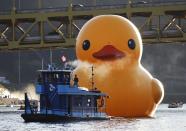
<point x="57" y="118"/>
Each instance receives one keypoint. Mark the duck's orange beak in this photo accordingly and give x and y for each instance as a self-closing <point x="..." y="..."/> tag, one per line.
<point x="108" y="52"/>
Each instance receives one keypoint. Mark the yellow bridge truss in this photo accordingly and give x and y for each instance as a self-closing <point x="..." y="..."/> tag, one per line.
<point x="58" y="27"/>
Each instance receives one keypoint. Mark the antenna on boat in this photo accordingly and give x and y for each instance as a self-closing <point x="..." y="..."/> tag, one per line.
<point x="42" y="64"/>
<point x="19" y="68"/>
<point x="92" y="78"/>
<point x="51" y="56"/>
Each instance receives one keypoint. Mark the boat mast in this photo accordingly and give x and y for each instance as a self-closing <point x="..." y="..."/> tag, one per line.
<point x="42" y="64"/>
<point x="92" y="77"/>
<point x="19" y="68"/>
<point x="51" y="56"/>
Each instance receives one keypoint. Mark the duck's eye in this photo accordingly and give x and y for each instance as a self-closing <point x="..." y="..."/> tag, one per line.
<point x="131" y="44"/>
<point x="86" y="45"/>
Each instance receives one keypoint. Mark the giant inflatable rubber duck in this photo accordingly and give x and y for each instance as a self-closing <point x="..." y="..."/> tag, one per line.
<point x="113" y="45"/>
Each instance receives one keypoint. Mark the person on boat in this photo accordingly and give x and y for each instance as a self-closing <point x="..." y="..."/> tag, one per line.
<point x="35" y="107"/>
<point x="76" y="80"/>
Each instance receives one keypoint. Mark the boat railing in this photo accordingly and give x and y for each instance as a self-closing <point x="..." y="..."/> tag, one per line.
<point x="89" y="111"/>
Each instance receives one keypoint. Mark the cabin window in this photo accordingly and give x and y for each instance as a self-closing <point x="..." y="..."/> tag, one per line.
<point x="49" y="77"/>
<point x="66" y="79"/>
<point x="57" y="76"/>
<point x="39" y="79"/>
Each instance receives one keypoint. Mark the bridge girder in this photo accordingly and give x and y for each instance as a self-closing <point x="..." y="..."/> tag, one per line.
<point x="44" y="28"/>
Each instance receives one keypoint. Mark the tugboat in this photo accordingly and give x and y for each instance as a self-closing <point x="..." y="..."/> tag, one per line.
<point x="61" y="101"/>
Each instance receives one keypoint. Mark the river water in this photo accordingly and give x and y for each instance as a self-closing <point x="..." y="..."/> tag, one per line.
<point x="165" y="120"/>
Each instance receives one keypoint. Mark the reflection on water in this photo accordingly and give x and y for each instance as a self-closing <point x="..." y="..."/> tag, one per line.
<point x="166" y="119"/>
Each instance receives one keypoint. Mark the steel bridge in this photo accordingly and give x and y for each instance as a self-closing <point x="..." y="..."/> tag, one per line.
<point x="42" y="27"/>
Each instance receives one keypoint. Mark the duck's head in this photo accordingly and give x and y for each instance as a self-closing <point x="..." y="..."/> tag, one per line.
<point x="108" y="38"/>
